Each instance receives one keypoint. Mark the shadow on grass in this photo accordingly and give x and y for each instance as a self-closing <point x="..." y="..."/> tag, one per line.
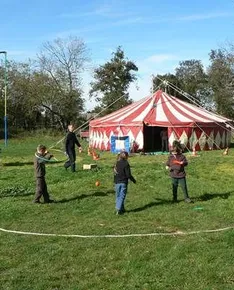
<point x="17" y="163"/>
<point x="15" y="194"/>
<point x="82" y="196"/>
<point x="27" y="163"/>
<point x="209" y="196"/>
<point x="6" y="178"/>
<point x="151" y="204"/>
<point x="204" y="197"/>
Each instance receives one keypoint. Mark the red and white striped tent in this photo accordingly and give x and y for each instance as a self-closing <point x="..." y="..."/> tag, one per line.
<point x="143" y="121"/>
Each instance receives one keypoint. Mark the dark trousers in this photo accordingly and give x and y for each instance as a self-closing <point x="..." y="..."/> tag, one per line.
<point x="183" y="184"/>
<point x="164" y="145"/>
<point x="41" y="189"/>
<point x="71" y="161"/>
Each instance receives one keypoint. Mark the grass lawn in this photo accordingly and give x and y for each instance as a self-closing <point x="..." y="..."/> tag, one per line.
<point x="187" y="261"/>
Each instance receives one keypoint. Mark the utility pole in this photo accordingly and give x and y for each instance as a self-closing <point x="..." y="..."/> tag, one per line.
<point x="152" y="84"/>
<point x="5" y="97"/>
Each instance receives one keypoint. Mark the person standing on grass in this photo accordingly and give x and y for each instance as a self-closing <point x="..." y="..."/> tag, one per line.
<point x="176" y="163"/>
<point x="41" y="157"/>
<point x="164" y="140"/>
<point x="122" y="173"/>
<point x="70" y="142"/>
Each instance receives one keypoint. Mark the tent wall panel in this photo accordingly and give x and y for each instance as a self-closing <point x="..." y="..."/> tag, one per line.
<point x="198" y="138"/>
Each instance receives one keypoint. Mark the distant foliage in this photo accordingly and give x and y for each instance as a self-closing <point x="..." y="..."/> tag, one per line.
<point x="46" y="93"/>
<point x="221" y="79"/>
<point x="112" y="81"/>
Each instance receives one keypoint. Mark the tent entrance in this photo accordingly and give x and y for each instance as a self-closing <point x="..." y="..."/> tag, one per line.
<point x="152" y="138"/>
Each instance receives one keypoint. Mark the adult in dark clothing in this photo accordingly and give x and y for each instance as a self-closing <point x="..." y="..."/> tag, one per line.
<point x="164" y="140"/>
<point x="41" y="157"/>
<point x="176" y="163"/>
<point x="70" y="142"/>
<point x="122" y="173"/>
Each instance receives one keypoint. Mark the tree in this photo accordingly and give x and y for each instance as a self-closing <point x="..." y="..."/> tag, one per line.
<point x="221" y="79"/>
<point x="26" y="89"/>
<point x="189" y="83"/>
<point x="63" y="61"/>
<point x="22" y="106"/>
<point x="192" y="78"/>
<point x="112" y="81"/>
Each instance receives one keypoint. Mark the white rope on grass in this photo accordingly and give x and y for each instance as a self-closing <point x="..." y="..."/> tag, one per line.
<point x="177" y="233"/>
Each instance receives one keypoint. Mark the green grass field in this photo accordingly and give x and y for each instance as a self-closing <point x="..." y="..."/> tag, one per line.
<point x="177" y="261"/>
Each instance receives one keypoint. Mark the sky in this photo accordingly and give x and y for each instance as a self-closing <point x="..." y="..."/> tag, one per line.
<point x="155" y="34"/>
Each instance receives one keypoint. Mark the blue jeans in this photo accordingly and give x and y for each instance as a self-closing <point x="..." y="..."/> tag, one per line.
<point x="120" y="194"/>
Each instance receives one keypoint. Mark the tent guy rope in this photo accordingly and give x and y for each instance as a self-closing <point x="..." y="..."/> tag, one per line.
<point x="85" y="123"/>
<point x="194" y="101"/>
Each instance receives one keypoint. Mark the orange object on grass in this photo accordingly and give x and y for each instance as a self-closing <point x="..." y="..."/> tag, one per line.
<point x="95" y="155"/>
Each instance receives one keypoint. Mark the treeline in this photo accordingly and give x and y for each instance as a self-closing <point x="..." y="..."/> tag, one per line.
<point x="47" y="92"/>
<point x="211" y="87"/>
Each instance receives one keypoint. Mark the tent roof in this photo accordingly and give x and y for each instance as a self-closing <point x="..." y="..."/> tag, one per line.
<point x="159" y="109"/>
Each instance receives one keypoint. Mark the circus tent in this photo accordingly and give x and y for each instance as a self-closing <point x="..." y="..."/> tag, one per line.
<point x="143" y="121"/>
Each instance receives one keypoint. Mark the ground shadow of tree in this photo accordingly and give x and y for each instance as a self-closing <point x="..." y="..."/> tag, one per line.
<point x="82" y="196"/>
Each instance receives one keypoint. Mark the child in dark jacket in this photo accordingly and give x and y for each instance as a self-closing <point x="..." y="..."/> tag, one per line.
<point x="122" y="173"/>
<point x="41" y="157"/>
<point x="176" y="163"/>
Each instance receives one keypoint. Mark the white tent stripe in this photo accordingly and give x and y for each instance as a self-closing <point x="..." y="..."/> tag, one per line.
<point x="194" y="117"/>
<point x="131" y="111"/>
<point x="144" y="112"/>
<point x="182" y="111"/>
<point x="126" y="110"/>
<point x="160" y="113"/>
<point x="211" y="116"/>
<point x="177" y="114"/>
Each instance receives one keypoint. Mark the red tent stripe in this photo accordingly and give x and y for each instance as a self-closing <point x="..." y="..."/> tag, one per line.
<point x="201" y="112"/>
<point x="113" y="115"/>
<point x="159" y="109"/>
<point x="173" y="115"/>
<point x="131" y="115"/>
<point x="120" y="113"/>
<point x="193" y="116"/>
<point x="143" y="113"/>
